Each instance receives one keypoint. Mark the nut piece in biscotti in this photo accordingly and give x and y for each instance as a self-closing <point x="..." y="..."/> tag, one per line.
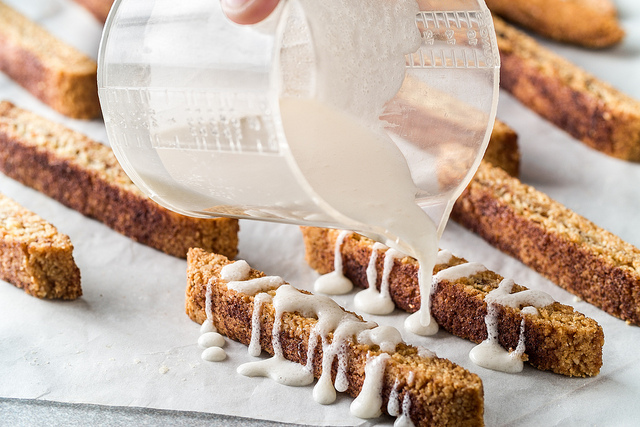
<point x="440" y="392"/>
<point x="85" y="176"/>
<point x="56" y="73"/>
<point x="34" y="256"/>
<point x="98" y="8"/>
<point x="568" y="249"/>
<point x="557" y="339"/>
<point x="589" y="23"/>
<point x="588" y="109"/>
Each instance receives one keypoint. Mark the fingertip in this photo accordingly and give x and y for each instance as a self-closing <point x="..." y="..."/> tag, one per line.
<point x="248" y="12"/>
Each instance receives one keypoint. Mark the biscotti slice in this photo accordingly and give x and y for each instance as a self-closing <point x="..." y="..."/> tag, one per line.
<point x="503" y="150"/>
<point x="85" y="175"/>
<point x="34" y="256"/>
<point x="568" y="249"/>
<point x="98" y="8"/>
<point x="589" y="23"/>
<point x="556" y="338"/>
<point x="569" y="97"/>
<point x="431" y="391"/>
<point x="56" y="73"/>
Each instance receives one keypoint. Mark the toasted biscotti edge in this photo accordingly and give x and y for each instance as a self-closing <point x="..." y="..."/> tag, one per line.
<point x="54" y="72"/>
<point x="441" y="392"/>
<point x="569" y="250"/>
<point x="591" y="24"/>
<point x="34" y="256"/>
<point x="560" y="339"/>
<point x="583" y="106"/>
<point x="85" y="176"/>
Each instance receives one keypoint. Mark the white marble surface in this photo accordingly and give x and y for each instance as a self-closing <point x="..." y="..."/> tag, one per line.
<point x="127" y="341"/>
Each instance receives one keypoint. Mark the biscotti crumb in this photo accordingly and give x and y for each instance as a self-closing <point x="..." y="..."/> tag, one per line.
<point x="85" y="176"/>
<point x="54" y="72"/>
<point x="582" y="105"/>
<point x="34" y="256"/>
<point x="569" y="250"/>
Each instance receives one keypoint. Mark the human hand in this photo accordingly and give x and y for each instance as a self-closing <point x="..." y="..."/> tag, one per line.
<point x="248" y="11"/>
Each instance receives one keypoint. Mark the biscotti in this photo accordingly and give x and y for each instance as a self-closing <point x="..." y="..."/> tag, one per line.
<point x="503" y="150"/>
<point x="438" y="391"/>
<point x="98" y="8"/>
<point x="34" y="256"/>
<point x="85" y="176"/>
<point x="568" y="249"/>
<point x="575" y="101"/>
<point x="589" y="23"/>
<point x="557" y="339"/>
<point x="56" y="73"/>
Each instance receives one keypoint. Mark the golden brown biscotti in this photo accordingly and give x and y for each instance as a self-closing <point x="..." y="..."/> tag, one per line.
<point x="568" y="249"/>
<point x="34" y="256"/>
<point x="503" y="150"/>
<point x="441" y="393"/>
<point x="85" y="176"/>
<point x="56" y="73"/>
<point x="558" y="339"/>
<point x="98" y="8"/>
<point x="589" y="23"/>
<point x="566" y="95"/>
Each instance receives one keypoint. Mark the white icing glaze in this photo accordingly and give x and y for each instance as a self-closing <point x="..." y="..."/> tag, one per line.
<point x="334" y="282"/>
<point x="404" y="420"/>
<point x="254" y="345"/>
<point x="278" y="369"/>
<point x="502" y="295"/>
<point x="207" y="301"/>
<point x="426" y="353"/>
<point x="213" y="354"/>
<point x="254" y="286"/>
<point x="386" y="337"/>
<point x="211" y="339"/>
<point x="207" y="326"/>
<point x="368" y="404"/>
<point x="370" y="300"/>
<point x="459" y="271"/>
<point x="393" y="406"/>
<point x="444" y="256"/>
<point x="489" y="353"/>
<point x="235" y="271"/>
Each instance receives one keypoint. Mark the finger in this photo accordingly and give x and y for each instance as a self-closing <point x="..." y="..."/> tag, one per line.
<point x="248" y="11"/>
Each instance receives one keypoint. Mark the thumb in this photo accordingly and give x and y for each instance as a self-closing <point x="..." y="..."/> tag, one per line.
<point x="248" y="11"/>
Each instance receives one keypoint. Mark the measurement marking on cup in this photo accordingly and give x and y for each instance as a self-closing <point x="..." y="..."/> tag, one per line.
<point x="453" y="39"/>
<point x="188" y="120"/>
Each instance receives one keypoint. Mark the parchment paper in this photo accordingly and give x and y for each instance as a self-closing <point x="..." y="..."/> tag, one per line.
<point x="128" y="342"/>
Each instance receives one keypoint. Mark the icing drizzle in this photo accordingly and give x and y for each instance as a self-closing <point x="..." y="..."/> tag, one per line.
<point x="489" y="353"/>
<point x="344" y="327"/>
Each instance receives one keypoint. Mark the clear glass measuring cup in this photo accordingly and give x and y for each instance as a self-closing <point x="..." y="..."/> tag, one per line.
<point x="191" y="104"/>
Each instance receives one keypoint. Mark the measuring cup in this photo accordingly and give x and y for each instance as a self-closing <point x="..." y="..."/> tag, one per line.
<point x="191" y="104"/>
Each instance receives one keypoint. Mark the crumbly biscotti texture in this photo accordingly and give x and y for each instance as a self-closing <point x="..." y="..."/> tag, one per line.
<point x="85" y="176"/>
<point x="568" y="249"/>
<point x="589" y="23"/>
<point x="34" y="256"/>
<point x="503" y="150"/>
<point x="566" y="95"/>
<point x="559" y="339"/>
<point x="98" y="8"/>
<point x="56" y="73"/>
<point x="441" y="393"/>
